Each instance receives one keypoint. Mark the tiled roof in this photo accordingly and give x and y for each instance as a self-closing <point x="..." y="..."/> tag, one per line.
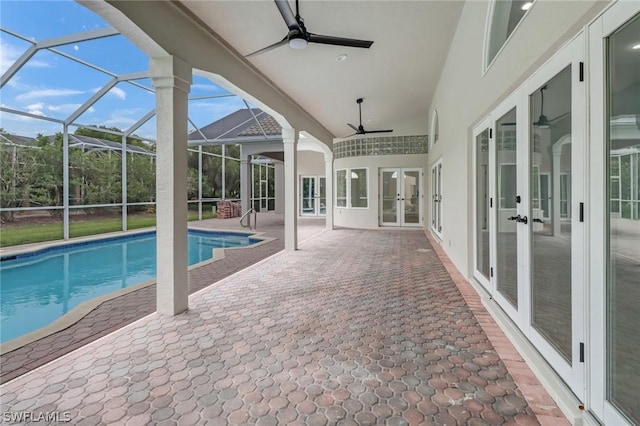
<point x="268" y="124"/>
<point x="238" y="125"/>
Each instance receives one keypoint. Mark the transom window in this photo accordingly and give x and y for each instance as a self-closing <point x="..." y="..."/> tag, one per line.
<point x="505" y="16"/>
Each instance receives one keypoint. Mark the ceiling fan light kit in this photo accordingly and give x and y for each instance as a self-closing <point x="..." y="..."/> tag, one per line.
<point x="298" y="37"/>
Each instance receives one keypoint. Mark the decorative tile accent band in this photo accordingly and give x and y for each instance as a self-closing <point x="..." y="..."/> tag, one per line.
<point x="388" y="145"/>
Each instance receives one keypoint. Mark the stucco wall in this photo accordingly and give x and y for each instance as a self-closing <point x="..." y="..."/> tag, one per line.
<point x="368" y="218"/>
<point x="465" y="95"/>
<point x="310" y="163"/>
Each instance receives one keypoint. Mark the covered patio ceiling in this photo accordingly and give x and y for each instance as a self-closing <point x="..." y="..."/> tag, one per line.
<point x="397" y="76"/>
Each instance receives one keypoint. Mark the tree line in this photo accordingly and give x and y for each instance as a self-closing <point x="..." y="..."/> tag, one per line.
<point x="32" y="175"/>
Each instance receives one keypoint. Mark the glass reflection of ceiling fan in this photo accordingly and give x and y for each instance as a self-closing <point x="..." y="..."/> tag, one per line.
<point x="543" y="122"/>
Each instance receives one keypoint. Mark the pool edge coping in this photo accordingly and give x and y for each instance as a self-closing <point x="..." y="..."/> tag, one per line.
<point x="83" y="309"/>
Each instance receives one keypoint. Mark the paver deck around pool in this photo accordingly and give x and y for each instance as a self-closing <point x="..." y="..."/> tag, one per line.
<point x="356" y="327"/>
<point x="122" y="310"/>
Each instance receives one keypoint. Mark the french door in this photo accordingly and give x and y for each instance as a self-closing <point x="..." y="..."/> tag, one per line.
<point x="529" y="231"/>
<point x="436" y="198"/>
<point x="313" y="196"/>
<point x="614" y="68"/>
<point x="401" y="197"/>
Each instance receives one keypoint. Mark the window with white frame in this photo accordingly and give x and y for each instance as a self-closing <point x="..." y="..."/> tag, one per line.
<point x="505" y="16"/>
<point x="352" y="189"/>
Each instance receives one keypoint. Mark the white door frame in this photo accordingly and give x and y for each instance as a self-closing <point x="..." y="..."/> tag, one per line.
<point x="573" y="374"/>
<point x="519" y="313"/>
<point x="485" y="125"/>
<point x="316" y="195"/>
<point x="436" y="198"/>
<point x="612" y="19"/>
<point x="401" y="202"/>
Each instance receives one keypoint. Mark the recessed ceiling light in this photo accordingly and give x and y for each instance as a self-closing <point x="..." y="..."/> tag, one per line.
<point x="527" y="5"/>
<point x="636" y="47"/>
<point x="369" y="120"/>
<point x="341" y="58"/>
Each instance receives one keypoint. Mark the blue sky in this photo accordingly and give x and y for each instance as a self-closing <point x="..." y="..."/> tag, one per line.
<point x="51" y="85"/>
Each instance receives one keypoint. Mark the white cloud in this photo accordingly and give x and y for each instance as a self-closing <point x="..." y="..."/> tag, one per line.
<point x="119" y="122"/>
<point x="38" y="63"/>
<point x="36" y="109"/>
<point x="46" y="93"/>
<point x="8" y="55"/>
<point x="118" y="93"/>
<point x="67" y="108"/>
<point x="76" y="47"/>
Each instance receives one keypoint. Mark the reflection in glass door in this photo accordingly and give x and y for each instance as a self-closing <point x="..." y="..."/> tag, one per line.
<point x="401" y="197"/>
<point x="313" y="196"/>
<point x="623" y="233"/>
<point x="551" y="251"/>
<point x="483" y="205"/>
<point x="411" y="205"/>
<point x="507" y="215"/>
<point x="436" y="198"/>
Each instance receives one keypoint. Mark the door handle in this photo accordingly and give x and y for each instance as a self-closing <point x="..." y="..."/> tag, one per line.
<point x="513" y="217"/>
<point x="537" y="220"/>
<point x="523" y="219"/>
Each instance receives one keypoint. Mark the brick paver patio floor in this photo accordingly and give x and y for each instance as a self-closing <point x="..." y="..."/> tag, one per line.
<point x="122" y="310"/>
<point x="357" y="327"/>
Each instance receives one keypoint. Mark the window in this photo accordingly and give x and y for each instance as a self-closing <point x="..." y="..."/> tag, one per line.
<point x="505" y="16"/>
<point x="352" y="185"/>
<point x="434" y="128"/>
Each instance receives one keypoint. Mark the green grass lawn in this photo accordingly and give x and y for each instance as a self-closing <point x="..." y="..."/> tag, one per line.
<point x="13" y="236"/>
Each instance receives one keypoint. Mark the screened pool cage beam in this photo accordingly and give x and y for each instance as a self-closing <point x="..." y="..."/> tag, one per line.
<point x="50" y="45"/>
<point x="52" y="42"/>
<point x="255" y="118"/>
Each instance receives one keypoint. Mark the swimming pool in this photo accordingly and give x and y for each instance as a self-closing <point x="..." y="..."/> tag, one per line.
<point x="36" y="288"/>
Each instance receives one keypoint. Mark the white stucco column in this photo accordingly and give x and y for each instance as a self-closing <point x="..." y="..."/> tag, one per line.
<point x="290" y="140"/>
<point x="279" y="187"/>
<point x="172" y="80"/>
<point x="245" y="182"/>
<point x="328" y="175"/>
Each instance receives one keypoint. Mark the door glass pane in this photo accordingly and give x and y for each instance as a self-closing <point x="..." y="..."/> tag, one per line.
<point x="390" y="195"/>
<point x="482" y="203"/>
<point x="411" y="183"/>
<point x="623" y="288"/>
<point x="551" y="239"/>
<point x="434" y="198"/>
<point x="341" y="188"/>
<point x="544" y="195"/>
<point x="308" y="194"/>
<point x="322" y="192"/>
<point x="507" y="248"/>
<point x="439" y="207"/>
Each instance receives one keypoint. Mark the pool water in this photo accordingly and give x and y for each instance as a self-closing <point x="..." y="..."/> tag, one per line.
<point x="38" y="288"/>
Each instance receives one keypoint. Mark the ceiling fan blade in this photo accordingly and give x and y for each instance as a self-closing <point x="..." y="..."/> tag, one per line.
<point x="268" y="48"/>
<point x="353" y="127"/>
<point x="378" y="131"/>
<point x="287" y="14"/>
<point x="338" y="41"/>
